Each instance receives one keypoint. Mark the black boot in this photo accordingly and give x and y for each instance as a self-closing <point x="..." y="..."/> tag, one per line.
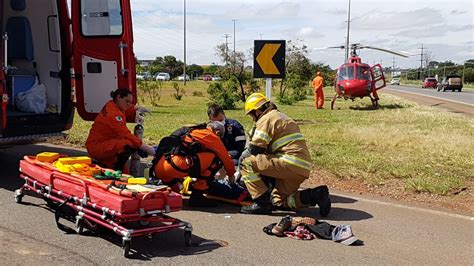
<point x="197" y="199"/>
<point x="261" y="205"/>
<point x="319" y="196"/>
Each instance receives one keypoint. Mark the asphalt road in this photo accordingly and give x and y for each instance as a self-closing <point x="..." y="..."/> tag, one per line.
<point x="392" y="233"/>
<point x="464" y="97"/>
<point x="456" y="102"/>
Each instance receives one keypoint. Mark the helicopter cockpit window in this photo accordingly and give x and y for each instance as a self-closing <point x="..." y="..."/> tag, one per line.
<point x="345" y="73"/>
<point x="363" y="73"/>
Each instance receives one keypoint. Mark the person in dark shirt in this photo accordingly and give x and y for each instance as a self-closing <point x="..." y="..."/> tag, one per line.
<point x="234" y="136"/>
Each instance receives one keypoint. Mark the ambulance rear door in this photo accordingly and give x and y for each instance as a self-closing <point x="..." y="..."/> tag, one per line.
<point x="103" y="58"/>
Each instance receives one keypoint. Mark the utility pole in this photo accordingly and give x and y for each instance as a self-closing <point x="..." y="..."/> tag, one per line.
<point x="421" y="61"/>
<point x="184" y="66"/>
<point x="393" y="63"/>
<point x="261" y="35"/>
<point x="226" y="36"/>
<point x="348" y="28"/>
<point x="234" y="20"/>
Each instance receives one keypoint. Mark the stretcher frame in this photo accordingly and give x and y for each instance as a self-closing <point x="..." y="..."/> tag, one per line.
<point x="151" y="221"/>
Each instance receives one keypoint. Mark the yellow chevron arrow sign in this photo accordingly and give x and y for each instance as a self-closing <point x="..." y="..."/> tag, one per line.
<point x="265" y="58"/>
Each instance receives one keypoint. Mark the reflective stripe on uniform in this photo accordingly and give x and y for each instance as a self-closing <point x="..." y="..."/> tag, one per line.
<point x="295" y="161"/>
<point x="262" y="135"/>
<point x="285" y="140"/>
<point x="291" y="201"/>
<point x="248" y="175"/>
<point x="240" y="138"/>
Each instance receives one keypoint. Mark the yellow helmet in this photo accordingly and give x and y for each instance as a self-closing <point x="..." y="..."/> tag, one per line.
<point x="255" y="101"/>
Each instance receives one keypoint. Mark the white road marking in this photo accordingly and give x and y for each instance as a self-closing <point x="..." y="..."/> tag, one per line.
<point x="419" y="94"/>
<point x="470" y="218"/>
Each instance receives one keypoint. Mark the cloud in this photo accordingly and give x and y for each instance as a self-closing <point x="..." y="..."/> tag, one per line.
<point x="376" y="20"/>
<point x="336" y="11"/>
<point x="458" y="12"/>
<point x="267" y="11"/>
<point x="456" y="28"/>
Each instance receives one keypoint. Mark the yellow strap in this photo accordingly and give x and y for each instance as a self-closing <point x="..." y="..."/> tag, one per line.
<point x="262" y="135"/>
<point x="296" y="161"/>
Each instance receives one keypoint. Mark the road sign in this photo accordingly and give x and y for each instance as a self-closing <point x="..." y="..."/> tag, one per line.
<point x="269" y="59"/>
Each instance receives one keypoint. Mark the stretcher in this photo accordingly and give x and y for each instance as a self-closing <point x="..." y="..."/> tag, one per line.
<point x="103" y="203"/>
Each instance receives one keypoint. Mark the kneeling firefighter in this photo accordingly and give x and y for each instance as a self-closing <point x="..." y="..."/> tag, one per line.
<point x="276" y="162"/>
<point x="195" y="151"/>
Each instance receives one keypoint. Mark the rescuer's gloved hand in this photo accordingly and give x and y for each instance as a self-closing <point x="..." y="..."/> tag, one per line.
<point x="148" y="149"/>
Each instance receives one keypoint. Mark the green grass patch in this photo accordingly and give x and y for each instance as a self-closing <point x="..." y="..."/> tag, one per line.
<point x="429" y="149"/>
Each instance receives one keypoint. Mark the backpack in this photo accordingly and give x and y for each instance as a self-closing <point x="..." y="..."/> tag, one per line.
<point x="176" y="144"/>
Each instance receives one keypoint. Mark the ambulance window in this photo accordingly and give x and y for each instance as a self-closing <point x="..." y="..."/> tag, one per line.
<point x="101" y="17"/>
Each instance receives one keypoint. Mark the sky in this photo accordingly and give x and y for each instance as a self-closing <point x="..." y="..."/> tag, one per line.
<point x="444" y="28"/>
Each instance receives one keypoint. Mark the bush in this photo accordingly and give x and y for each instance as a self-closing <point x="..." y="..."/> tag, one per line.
<point x="198" y="94"/>
<point x="178" y="95"/>
<point x="149" y="90"/>
<point x="223" y="95"/>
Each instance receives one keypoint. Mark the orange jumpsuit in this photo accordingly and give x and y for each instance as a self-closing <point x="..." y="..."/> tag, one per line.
<point x="212" y="147"/>
<point x="109" y="134"/>
<point x="318" y="92"/>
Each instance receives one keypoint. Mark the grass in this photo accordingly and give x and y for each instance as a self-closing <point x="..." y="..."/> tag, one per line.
<point x="429" y="149"/>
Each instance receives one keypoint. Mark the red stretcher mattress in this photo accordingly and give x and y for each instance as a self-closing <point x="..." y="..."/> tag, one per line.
<point x="100" y="196"/>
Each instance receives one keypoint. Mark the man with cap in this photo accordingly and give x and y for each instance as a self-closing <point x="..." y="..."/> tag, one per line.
<point x="277" y="161"/>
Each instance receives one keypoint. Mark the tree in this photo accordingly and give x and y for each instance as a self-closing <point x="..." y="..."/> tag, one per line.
<point x="298" y="70"/>
<point x="172" y="66"/>
<point x="194" y="70"/>
<point x="234" y="67"/>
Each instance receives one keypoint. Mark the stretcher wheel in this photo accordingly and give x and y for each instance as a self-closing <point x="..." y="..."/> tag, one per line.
<point x="187" y="238"/>
<point x="18" y="196"/>
<point x="126" y="247"/>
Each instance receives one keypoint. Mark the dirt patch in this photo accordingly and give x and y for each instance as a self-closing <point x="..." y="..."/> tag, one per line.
<point x="461" y="201"/>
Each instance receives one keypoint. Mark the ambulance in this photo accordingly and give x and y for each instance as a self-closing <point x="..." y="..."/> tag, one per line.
<point x="58" y="56"/>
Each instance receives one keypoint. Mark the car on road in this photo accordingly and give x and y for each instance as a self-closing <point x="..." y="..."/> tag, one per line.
<point x="143" y="76"/>
<point x="395" y="81"/>
<point x="207" y="78"/>
<point x="181" y="78"/>
<point x="450" y="82"/>
<point x="162" y="76"/>
<point x="429" y="83"/>
<point x="216" y="78"/>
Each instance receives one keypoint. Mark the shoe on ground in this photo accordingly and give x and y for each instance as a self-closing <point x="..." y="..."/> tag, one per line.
<point x="256" y="209"/>
<point x="282" y="226"/>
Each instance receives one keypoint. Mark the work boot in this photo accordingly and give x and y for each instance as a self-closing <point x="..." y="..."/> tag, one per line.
<point x="197" y="199"/>
<point x="261" y="205"/>
<point x="320" y="196"/>
<point x="317" y="196"/>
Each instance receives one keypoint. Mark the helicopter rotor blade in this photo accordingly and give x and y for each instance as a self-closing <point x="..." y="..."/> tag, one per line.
<point x="384" y="50"/>
<point x="330" y="47"/>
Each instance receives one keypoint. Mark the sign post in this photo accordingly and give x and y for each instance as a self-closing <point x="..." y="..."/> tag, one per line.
<point x="269" y="61"/>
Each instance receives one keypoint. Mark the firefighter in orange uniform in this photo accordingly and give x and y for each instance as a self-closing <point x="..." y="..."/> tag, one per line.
<point x="277" y="161"/>
<point x="318" y="91"/>
<point x="197" y="152"/>
<point x="109" y="141"/>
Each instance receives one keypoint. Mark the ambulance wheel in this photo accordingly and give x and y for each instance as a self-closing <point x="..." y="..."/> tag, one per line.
<point x="80" y="225"/>
<point x="18" y="196"/>
<point x="126" y="247"/>
<point x="187" y="238"/>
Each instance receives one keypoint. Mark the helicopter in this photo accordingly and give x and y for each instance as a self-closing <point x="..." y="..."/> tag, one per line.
<point x="355" y="79"/>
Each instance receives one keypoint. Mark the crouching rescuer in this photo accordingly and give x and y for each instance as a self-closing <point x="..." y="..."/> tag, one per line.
<point x="195" y="151"/>
<point x="276" y="162"/>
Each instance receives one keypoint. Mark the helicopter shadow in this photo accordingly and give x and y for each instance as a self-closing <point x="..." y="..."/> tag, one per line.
<point x="379" y="107"/>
